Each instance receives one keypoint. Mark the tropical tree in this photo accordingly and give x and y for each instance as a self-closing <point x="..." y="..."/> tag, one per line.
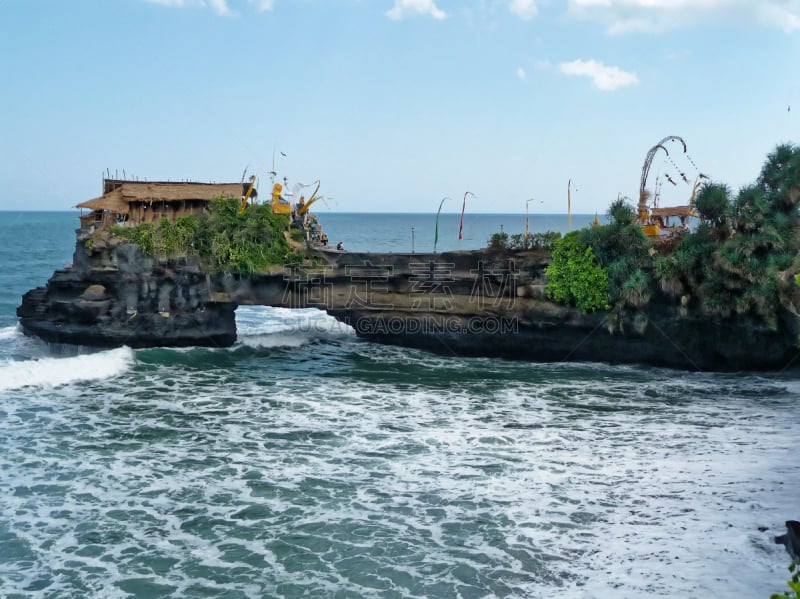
<point x="626" y="254"/>
<point x="713" y="204"/>
<point x="743" y="257"/>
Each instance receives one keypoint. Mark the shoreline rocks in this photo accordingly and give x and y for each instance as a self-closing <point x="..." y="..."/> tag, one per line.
<point x="468" y="303"/>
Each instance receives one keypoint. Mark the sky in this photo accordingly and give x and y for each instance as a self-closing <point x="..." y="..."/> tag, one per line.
<point x="395" y="104"/>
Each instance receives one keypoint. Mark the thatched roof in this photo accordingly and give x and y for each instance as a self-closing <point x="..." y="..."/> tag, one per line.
<point x="673" y="211"/>
<point x="111" y="201"/>
<point x="118" y="200"/>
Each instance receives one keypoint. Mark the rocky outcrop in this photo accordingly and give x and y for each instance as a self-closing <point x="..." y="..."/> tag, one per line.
<point x="541" y="335"/>
<point x="478" y="303"/>
<point x="115" y="295"/>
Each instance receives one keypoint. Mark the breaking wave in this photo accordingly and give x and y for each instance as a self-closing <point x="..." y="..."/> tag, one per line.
<point x="8" y="333"/>
<point x="261" y="327"/>
<point x="52" y="372"/>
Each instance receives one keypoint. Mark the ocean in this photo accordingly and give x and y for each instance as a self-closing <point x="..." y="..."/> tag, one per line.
<point x="304" y="462"/>
<point x="393" y="232"/>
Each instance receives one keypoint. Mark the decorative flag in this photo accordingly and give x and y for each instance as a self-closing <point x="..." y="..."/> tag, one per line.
<point x="436" y="231"/>
<point x="463" y="206"/>
<point x="569" y="207"/>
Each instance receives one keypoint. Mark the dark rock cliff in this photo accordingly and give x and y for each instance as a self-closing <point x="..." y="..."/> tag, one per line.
<point x="460" y="303"/>
<point x="114" y="295"/>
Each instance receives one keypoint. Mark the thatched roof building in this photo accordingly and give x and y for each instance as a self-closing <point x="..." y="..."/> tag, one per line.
<point x="137" y="202"/>
<point x="663" y="217"/>
<point x="679" y="211"/>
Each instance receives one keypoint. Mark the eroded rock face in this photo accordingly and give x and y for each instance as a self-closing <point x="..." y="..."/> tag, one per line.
<point x="114" y="295"/>
<point x="693" y="343"/>
<point x="460" y="303"/>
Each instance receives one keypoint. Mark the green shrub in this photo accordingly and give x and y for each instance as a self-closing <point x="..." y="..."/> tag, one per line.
<point x="143" y="236"/>
<point x="741" y="259"/>
<point x="713" y="204"/>
<point x="536" y="241"/>
<point x="228" y="240"/>
<point x="621" y="213"/>
<point x="498" y="241"/>
<point x="627" y="255"/>
<point x="543" y="241"/>
<point x="574" y="276"/>
<point x="297" y="235"/>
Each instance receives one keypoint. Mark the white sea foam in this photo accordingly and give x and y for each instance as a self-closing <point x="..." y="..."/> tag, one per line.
<point x="9" y="333"/>
<point x="525" y="483"/>
<point x="275" y="340"/>
<point x="51" y="372"/>
<point x="263" y="327"/>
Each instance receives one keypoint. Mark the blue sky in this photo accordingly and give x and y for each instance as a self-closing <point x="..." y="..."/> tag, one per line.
<point x="394" y="104"/>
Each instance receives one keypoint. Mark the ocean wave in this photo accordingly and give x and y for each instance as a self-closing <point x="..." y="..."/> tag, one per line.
<point x="261" y="327"/>
<point x="52" y="372"/>
<point x="274" y="340"/>
<point x="7" y="333"/>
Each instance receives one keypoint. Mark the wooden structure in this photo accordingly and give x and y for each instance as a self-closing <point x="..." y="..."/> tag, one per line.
<point x="662" y="217"/>
<point x="655" y="221"/>
<point x="136" y="202"/>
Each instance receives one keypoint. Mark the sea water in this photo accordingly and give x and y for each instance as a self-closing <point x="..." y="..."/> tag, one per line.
<point x="304" y="462"/>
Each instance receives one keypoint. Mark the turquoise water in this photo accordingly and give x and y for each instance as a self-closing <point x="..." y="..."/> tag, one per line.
<point x="304" y="462"/>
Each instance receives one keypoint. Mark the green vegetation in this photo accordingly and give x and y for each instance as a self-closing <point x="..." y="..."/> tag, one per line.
<point x="498" y="241"/>
<point x="230" y="242"/>
<point x="742" y="259"/>
<point x="626" y="255"/>
<point x="536" y="241"/>
<point x="713" y="204"/>
<point x="574" y="276"/>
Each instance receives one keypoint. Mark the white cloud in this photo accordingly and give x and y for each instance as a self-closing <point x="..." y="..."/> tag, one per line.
<point x="178" y="3"/>
<point x="646" y="16"/>
<point x="521" y="74"/>
<point x="410" y="8"/>
<point x="221" y="7"/>
<point x="524" y="9"/>
<point x="603" y="77"/>
<point x="786" y="18"/>
<point x="622" y="26"/>
<point x="263" y="5"/>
